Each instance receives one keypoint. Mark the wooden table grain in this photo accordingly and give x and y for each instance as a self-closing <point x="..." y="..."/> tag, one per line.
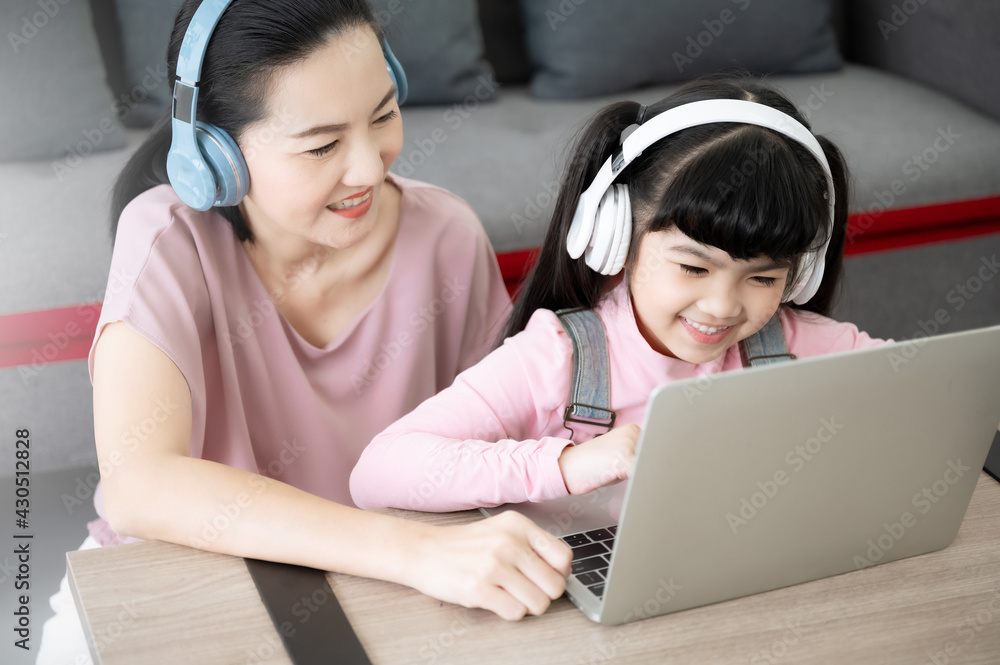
<point x="156" y="602"/>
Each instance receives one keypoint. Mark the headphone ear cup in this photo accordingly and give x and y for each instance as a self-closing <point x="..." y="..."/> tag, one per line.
<point x="604" y="231"/>
<point x="811" y="267"/>
<point x="225" y="161"/>
<point x="190" y="177"/>
<point x="623" y="232"/>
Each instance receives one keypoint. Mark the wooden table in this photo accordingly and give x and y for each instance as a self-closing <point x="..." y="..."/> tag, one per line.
<point x="156" y="602"/>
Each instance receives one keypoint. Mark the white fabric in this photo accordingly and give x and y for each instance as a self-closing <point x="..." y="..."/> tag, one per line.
<point x="63" y="640"/>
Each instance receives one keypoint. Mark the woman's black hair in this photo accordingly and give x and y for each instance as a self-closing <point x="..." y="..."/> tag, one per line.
<point x="252" y="40"/>
<point x="745" y="189"/>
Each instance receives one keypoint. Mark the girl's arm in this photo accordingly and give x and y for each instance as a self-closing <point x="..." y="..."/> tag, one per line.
<point x="481" y="441"/>
<point x="155" y="490"/>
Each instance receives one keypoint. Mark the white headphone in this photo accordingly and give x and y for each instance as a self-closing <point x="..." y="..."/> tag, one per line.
<point x="602" y="224"/>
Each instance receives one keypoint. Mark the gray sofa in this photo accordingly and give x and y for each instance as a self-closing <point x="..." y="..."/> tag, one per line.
<point x="915" y="135"/>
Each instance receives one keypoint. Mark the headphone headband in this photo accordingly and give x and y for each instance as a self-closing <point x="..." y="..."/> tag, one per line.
<point x="640" y="137"/>
<point x="200" y="29"/>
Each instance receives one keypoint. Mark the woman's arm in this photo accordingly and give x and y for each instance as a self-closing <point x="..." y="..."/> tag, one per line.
<point x="155" y="490"/>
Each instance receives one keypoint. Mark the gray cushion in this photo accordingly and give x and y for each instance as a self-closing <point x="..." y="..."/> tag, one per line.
<point x="56" y="104"/>
<point x="505" y="158"/>
<point x="594" y="48"/>
<point x="893" y="130"/>
<point x="145" y="34"/>
<point x="953" y="45"/>
<point x="440" y="45"/>
<point x="438" y="42"/>
<point x="57" y="252"/>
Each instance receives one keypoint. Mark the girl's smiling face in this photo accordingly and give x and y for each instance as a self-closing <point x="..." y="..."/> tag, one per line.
<point x="319" y="160"/>
<point x="694" y="301"/>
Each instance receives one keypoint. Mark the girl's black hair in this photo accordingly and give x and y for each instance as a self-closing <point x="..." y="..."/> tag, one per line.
<point x="252" y="40"/>
<point x="745" y="189"/>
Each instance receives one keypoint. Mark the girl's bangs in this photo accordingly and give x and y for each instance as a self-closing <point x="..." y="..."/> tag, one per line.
<point x="749" y="195"/>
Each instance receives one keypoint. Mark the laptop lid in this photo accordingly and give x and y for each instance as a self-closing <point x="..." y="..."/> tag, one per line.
<point x="772" y="476"/>
<point x="777" y="475"/>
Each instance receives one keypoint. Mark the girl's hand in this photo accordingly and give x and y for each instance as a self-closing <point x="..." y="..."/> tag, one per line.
<point x="604" y="460"/>
<point x="505" y="564"/>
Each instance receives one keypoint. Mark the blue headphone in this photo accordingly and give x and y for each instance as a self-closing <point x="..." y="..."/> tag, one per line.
<point x="204" y="165"/>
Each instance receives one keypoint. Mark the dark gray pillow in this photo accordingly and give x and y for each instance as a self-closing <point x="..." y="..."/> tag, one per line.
<point x="55" y="102"/>
<point x="582" y="49"/>
<point x="145" y="34"/>
<point x="440" y="45"/>
<point x="438" y="42"/>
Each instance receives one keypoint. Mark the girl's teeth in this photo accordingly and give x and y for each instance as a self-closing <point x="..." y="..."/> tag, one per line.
<point x="344" y="205"/>
<point x="708" y="330"/>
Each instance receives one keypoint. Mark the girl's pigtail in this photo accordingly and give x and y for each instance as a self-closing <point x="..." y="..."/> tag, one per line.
<point x="558" y="281"/>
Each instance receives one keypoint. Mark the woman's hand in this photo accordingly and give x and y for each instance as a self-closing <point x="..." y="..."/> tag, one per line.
<point x="603" y="460"/>
<point x="505" y="564"/>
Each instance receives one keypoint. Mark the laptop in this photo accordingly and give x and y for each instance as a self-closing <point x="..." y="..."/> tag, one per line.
<point x="777" y="475"/>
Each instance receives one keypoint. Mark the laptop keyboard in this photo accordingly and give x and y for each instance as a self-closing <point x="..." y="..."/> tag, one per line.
<point x="592" y="557"/>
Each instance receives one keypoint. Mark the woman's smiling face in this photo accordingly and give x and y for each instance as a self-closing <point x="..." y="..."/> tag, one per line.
<point x="319" y="160"/>
<point x="694" y="301"/>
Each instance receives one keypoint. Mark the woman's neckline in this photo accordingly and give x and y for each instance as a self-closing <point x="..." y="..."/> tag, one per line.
<point x="346" y="332"/>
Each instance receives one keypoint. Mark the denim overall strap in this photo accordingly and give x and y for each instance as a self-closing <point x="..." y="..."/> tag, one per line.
<point x="590" y="396"/>
<point x="766" y="346"/>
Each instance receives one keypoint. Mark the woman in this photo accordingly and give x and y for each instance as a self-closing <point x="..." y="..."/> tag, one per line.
<point x="252" y="351"/>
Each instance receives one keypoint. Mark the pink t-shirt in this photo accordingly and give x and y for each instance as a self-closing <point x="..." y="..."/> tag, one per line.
<point x="265" y="400"/>
<point x="496" y="434"/>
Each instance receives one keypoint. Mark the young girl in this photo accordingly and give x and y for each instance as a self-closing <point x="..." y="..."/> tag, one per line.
<point x="258" y="331"/>
<point x="735" y="218"/>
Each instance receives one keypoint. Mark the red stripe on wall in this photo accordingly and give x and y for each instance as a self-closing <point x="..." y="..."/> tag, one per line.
<point x="33" y="339"/>
<point x="514" y="267"/>
<point x="877" y="230"/>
